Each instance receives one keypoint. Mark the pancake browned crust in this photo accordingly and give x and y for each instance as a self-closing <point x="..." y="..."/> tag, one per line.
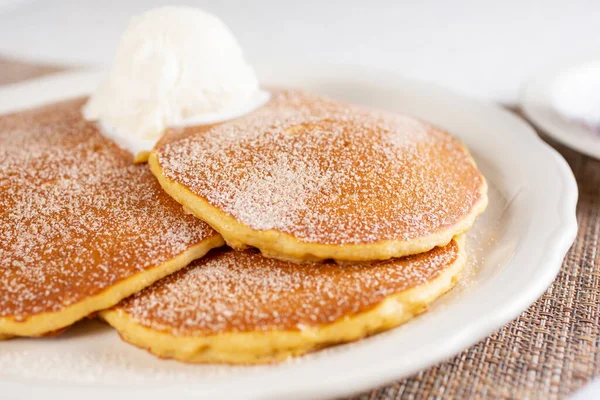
<point x="306" y="178"/>
<point x="242" y="308"/>
<point x="81" y="228"/>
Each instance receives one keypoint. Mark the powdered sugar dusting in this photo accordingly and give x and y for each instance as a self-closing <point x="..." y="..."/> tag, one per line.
<point x="244" y="291"/>
<point x="327" y="172"/>
<point x="75" y="215"/>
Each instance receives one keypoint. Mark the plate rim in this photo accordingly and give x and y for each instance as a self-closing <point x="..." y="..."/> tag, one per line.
<point x="541" y="82"/>
<point x="355" y="380"/>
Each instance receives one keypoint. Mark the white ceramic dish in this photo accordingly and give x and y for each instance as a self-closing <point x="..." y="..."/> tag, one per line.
<point x="516" y="249"/>
<point x="536" y="103"/>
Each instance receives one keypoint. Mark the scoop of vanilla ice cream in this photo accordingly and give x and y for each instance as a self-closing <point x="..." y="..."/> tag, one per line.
<point x="174" y="66"/>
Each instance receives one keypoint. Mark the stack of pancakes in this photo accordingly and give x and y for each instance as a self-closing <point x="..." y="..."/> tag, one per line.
<point x="340" y="222"/>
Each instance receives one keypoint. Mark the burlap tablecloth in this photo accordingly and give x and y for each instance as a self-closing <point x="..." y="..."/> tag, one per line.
<point x="548" y="352"/>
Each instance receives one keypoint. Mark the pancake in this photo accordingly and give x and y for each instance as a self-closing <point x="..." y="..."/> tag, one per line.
<point x="81" y="227"/>
<point x="306" y="178"/>
<point x="242" y="308"/>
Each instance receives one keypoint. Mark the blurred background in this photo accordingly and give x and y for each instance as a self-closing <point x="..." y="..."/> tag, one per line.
<point x="481" y="48"/>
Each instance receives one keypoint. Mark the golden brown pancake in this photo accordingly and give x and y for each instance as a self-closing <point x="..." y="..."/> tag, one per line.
<point x="242" y="308"/>
<point x="81" y="228"/>
<point x="306" y="178"/>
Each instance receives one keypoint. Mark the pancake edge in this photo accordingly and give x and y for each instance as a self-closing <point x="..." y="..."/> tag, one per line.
<point x="260" y="347"/>
<point x="286" y="247"/>
<point x="37" y="325"/>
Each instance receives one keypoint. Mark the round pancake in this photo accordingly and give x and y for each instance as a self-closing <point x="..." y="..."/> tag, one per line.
<point x="242" y="308"/>
<point x="305" y="178"/>
<point x="81" y="228"/>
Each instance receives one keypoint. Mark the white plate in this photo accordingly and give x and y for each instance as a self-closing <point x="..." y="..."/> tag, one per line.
<point x="516" y="249"/>
<point x="536" y="103"/>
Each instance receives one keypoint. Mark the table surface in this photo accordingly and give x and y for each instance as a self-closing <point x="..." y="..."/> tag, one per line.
<point x="550" y="351"/>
